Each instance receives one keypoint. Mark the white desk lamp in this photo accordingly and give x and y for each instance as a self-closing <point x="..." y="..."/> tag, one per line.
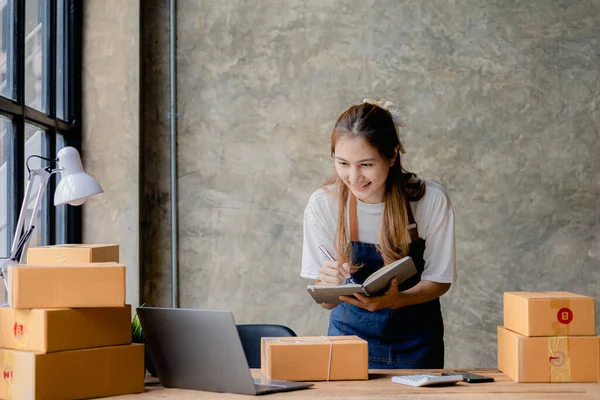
<point x="74" y="188"/>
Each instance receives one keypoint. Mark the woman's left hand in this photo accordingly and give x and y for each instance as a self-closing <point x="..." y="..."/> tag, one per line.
<point x="389" y="299"/>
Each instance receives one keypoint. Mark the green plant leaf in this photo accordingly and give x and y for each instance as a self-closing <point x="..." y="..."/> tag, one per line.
<point x="137" y="334"/>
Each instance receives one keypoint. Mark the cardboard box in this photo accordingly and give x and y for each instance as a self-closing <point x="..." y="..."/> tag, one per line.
<point x="549" y="314"/>
<point x="77" y="374"/>
<point x="548" y="359"/>
<point x="52" y="330"/>
<point x="73" y="254"/>
<point x="66" y="286"/>
<point x="311" y="358"/>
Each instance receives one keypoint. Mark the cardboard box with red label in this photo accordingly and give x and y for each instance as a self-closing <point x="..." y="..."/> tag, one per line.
<point x="549" y="337"/>
<point x="75" y="374"/>
<point x="52" y="330"/>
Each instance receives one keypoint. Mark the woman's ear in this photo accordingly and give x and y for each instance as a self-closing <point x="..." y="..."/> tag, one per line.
<point x="396" y="149"/>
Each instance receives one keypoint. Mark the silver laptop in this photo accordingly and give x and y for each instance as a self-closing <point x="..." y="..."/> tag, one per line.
<point x="201" y="350"/>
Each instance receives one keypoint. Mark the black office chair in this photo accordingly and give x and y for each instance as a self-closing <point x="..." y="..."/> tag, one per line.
<point x="250" y="335"/>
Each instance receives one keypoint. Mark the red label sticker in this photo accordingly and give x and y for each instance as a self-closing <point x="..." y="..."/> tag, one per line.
<point x="18" y="329"/>
<point x="565" y="316"/>
<point x="558" y="360"/>
<point x="7" y="374"/>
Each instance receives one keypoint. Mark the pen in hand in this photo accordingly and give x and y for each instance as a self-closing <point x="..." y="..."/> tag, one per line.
<point x="326" y="252"/>
<point x="328" y="255"/>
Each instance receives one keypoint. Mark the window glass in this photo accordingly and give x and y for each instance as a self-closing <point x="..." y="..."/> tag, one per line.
<point x="6" y="49"/>
<point x="36" y="54"/>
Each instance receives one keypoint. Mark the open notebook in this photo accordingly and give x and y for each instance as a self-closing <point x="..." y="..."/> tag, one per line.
<point x="375" y="284"/>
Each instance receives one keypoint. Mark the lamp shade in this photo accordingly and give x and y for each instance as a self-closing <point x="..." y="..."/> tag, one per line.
<point x="75" y="185"/>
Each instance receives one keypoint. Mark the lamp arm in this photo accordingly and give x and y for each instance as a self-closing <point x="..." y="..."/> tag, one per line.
<point x="44" y="174"/>
<point x="21" y="222"/>
<point x="36" y="209"/>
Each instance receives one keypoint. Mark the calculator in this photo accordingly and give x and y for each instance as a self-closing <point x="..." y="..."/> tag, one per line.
<point x="427" y="380"/>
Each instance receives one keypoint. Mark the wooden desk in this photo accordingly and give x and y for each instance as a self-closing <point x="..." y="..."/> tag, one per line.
<point x="380" y="386"/>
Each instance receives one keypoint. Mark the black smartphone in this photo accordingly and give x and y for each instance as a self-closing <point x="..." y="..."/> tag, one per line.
<point x="470" y="377"/>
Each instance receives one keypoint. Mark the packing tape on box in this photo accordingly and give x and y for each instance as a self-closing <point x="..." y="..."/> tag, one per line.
<point x="557" y="327"/>
<point x="321" y="339"/>
<point x="560" y="360"/>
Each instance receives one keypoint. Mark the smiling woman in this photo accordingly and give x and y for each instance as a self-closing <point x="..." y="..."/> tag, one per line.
<point x="374" y="212"/>
<point x="361" y="167"/>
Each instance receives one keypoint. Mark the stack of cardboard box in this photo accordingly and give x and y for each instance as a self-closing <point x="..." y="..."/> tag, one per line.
<point x="549" y="337"/>
<point x="67" y="331"/>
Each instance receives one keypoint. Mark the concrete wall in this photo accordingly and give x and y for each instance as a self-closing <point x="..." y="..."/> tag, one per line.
<point x="111" y="127"/>
<point x="502" y="104"/>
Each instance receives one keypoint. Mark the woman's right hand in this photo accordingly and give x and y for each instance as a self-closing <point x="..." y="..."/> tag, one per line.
<point x="333" y="273"/>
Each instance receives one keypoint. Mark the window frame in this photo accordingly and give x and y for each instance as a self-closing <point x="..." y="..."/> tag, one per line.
<point x="20" y="114"/>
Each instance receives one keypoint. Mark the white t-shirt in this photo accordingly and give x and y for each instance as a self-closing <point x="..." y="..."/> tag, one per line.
<point x="433" y="214"/>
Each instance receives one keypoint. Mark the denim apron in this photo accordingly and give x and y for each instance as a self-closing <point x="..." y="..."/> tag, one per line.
<point x="408" y="337"/>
